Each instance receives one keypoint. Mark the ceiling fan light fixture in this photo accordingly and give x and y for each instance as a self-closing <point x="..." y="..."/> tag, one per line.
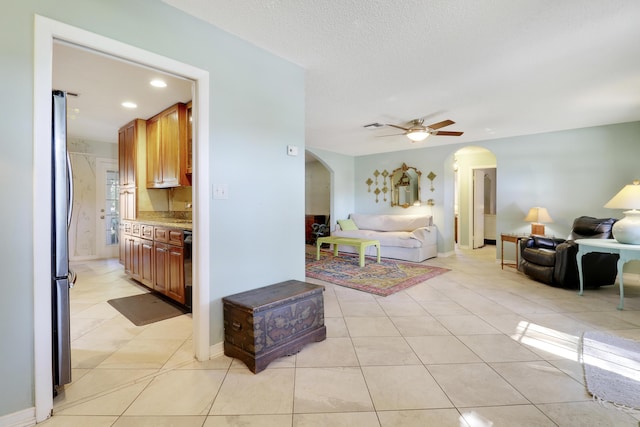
<point x="418" y="135"/>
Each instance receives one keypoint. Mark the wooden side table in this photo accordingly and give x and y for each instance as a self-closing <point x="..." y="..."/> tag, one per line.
<point x="511" y="238"/>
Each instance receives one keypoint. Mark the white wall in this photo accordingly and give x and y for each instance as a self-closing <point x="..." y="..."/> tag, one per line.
<point x="249" y="156"/>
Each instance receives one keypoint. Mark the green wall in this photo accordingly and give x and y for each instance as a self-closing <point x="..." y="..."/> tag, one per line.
<point x="256" y="110"/>
<point x="571" y="173"/>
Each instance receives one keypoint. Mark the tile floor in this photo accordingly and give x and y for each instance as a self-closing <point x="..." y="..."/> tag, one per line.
<point x="477" y="346"/>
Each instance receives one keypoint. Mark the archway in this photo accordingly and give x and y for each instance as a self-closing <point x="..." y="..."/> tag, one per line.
<point x="317" y="206"/>
<point x="475" y="184"/>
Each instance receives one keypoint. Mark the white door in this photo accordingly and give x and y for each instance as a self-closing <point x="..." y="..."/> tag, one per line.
<point x="478" y="208"/>
<point x="107" y="206"/>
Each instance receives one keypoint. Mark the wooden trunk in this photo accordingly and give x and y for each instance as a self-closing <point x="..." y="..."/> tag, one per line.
<point x="264" y="324"/>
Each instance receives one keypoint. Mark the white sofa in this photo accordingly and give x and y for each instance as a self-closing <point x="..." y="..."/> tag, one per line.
<point x="405" y="237"/>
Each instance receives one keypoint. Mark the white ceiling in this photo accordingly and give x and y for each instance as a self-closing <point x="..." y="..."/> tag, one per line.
<point x="498" y="68"/>
<point x="102" y="83"/>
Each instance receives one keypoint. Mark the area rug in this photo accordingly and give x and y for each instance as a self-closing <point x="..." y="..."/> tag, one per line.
<point x="383" y="279"/>
<point x="612" y="368"/>
<point x="146" y="308"/>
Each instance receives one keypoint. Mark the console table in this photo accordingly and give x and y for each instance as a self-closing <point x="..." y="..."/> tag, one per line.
<point x="611" y="246"/>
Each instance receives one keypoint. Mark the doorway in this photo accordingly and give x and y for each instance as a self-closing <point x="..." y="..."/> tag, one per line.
<point x="317" y="199"/>
<point x="46" y="31"/>
<point x="474" y="197"/>
<point x="107" y="209"/>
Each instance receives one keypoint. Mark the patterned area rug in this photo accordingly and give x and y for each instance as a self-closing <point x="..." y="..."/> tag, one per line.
<point x="383" y="279"/>
<point x="612" y="368"/>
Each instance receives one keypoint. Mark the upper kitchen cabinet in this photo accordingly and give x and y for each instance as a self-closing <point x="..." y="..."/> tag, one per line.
<point x="131" y="138"/>
<point x="128" y="136"/>
<point x="167" y="148"/>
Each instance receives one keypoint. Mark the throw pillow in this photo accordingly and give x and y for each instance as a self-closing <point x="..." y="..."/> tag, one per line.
<point x="347" y="224"/>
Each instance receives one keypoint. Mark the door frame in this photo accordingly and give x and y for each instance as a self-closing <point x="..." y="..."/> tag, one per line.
<point x="46" y="30"/>
<point x="102" y="166"/>
<point x="477" y="211"/>
<point x="470" y="201"/>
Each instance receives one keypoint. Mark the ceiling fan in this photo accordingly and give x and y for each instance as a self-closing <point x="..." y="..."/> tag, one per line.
<point x="416" y="131"/>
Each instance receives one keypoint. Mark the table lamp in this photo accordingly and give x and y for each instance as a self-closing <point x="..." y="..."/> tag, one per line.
<point x="536" y="217"/>
<point x="627" y="230"/>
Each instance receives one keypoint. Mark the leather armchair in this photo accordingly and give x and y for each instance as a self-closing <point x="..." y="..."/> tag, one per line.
<point x="553" y="261"/>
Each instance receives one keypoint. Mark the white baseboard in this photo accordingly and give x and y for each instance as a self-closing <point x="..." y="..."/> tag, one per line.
<point x="445" y="254"/>
<point x="216" y="350"/>
<point x="24" y="418"/>
<point x="631" y="278"/>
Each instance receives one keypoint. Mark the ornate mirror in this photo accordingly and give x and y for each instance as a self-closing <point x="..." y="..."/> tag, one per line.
<point x="405" y="186"/>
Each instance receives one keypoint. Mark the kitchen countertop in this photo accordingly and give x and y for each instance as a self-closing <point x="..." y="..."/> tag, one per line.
<point x="167" y="222"/>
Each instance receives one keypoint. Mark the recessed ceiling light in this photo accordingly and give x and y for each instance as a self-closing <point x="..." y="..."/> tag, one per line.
<point x="158" y="83"/>
<point x="128" y="104"/>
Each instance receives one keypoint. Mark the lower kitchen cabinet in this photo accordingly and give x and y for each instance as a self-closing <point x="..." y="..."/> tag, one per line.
<point x="169" y="271"/>
<point x="154" y="256"/>
<point x="176" y="289"/>
<point x="132" y="249"/>
<point x="146" y="262"/>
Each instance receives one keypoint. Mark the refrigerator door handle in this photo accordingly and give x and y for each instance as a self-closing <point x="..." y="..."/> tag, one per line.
<point x="70" y="192"/>
<point x="72" y="278"/>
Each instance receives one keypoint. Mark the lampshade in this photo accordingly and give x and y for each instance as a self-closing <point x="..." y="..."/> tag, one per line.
<point x="538" y="215"/>
<point x="417" y="135"/>
<point x="627" y="230"/>
<point x="627" y="198"/>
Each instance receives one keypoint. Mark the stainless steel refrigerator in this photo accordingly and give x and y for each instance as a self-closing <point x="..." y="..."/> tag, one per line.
<point x="62" y="278"/>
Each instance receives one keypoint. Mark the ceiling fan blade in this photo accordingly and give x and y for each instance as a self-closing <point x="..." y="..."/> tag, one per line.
<point x="447" y="133"/>
<point x="396" y="126"/>
<point x="441" y="124"/>
<point x="393" y="134"/>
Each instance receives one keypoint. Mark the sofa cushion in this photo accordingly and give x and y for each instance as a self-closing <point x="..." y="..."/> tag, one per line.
<point x="390" y="222"/>
<point x="347" y="224"/>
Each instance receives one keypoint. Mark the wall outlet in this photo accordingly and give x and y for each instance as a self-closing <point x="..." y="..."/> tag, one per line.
<point x="292" y="150"/>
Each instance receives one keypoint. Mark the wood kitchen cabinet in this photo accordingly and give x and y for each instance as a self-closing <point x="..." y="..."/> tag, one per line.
<point x="146" y="262"/>
<point x="129" y="137"/>
<point x="169" y="271"/>
<point x="127" y="154"/>
<point x="128" y="203"/>
<point x="146" y="254"/>
<point x="169" y="263"/>
<point x="167" y="147"/>
<point x="132" y="256"/>
<point x="154" y="256"/>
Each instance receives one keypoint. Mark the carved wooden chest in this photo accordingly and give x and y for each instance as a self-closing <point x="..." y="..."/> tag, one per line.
<point x="264" y="324"/>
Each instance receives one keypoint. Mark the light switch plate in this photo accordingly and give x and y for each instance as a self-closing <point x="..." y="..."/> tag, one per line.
<point x="220" y="191"/>
<point x="292" y="150"/>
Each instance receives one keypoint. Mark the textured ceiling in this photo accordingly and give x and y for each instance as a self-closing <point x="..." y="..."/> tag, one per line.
<point x="498" y="68"/>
